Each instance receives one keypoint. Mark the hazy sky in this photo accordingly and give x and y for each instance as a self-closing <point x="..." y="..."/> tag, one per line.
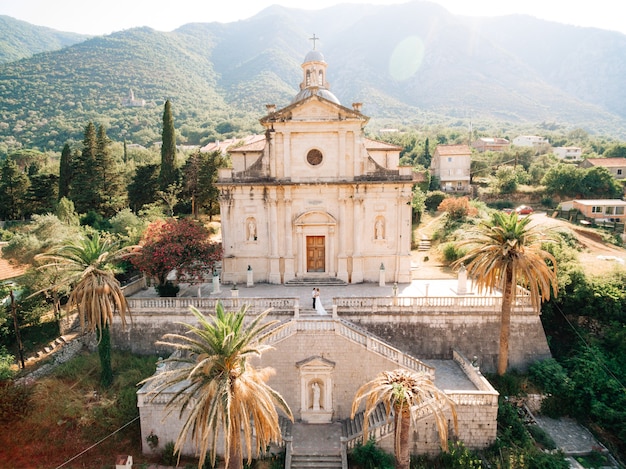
<point x="166" y="15"/>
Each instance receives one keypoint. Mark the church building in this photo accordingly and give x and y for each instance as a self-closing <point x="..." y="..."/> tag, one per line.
<point x="316" y="198"/>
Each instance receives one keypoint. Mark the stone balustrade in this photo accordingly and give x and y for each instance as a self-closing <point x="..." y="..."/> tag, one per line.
<point x="432" y="304"/>
<point x="396" y="305"/>
<point x="180" y="305"/>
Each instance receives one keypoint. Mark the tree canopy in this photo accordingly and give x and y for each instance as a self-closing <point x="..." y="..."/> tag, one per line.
<point x="177" y="244"/>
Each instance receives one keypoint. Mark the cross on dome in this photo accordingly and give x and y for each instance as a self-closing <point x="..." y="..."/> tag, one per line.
<point x="314" y="39"/>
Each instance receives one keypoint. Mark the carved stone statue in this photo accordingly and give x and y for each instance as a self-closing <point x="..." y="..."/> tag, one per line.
<point x="316" y="396"/>
<point x="379" y="229"/>
<point x="251" y="230"/>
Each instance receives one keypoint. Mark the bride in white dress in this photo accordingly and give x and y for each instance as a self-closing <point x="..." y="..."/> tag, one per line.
<point x="318" y="304"/>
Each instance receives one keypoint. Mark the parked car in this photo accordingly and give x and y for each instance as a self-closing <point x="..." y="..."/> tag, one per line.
<point x="524" y="210"/>
<point x="507" y="210"/>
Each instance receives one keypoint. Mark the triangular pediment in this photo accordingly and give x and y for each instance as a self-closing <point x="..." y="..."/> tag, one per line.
<point x="315" y="363"/>
<point x="313" y="108"/>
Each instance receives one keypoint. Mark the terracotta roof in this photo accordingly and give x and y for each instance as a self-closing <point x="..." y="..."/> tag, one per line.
<point x="607" y="162"/>
<point x="227" y="145"/>
<point x="614" y="202"/>
<point x="257" y="145"/>
<point x="372" y="144"/>
<point x="452" y="150"/>
<point x="496" y="140"/>
<point x="8" y="270"/>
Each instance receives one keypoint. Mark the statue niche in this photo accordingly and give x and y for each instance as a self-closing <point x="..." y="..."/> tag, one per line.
<point x="316" y="390"/>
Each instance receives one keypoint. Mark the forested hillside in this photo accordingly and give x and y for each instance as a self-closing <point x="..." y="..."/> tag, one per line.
<point x="410" y="64"/>
<point x="19" y="39"/>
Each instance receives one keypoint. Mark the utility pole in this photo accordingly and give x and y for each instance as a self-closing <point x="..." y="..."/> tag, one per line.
<point x="20" y="346"/>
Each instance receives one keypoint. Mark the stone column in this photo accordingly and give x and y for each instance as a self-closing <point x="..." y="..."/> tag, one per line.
<point x="357" y="260"/>
<point x="273" y="233"/>
<point x="342" y="234"/>
<point x="289" y="261"/>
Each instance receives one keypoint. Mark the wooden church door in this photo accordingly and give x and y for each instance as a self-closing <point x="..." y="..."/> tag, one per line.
<point x="315" y="253"/>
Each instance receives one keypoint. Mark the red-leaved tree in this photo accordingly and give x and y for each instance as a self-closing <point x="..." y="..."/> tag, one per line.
<point x="181" y="244"/>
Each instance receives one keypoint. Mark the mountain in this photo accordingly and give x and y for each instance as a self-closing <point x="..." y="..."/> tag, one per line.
<point x="19" y="39"/>
<point x="409" y="64"/>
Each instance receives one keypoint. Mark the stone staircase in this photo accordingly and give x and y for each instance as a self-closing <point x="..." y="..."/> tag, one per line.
<point x="424" y="244"/>
<point x="315" y="282"/>
<point x="317" y="461"/>
<point x="353" y="428"/>
<point x="316" y="446"/>
<point x="52" y="346"/>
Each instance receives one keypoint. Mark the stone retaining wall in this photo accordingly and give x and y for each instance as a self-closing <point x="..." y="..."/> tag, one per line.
<point x="430" y="333"/>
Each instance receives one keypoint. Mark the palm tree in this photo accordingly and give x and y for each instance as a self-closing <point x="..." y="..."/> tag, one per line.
<point x="88" y="265"/>
<point x="224" y="394"/>
<point x="504" y="252"/>
<point x="408" y="395"/>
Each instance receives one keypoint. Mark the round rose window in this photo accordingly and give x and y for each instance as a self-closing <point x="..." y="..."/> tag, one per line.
<point x="314" y="157"/>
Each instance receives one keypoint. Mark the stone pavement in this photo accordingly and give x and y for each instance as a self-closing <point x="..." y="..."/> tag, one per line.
<point x="571" y="437"/>
<point x="314" y="439"/>
<point x="422" y="287"/>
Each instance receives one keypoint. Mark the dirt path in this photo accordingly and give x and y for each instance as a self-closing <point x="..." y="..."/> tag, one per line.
<point x="597" y="257"/>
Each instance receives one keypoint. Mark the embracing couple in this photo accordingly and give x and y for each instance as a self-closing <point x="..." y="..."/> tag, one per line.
<point x="317" y="301"/>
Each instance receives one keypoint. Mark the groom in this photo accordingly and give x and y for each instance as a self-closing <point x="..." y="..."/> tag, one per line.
<point x="314" y="295"/>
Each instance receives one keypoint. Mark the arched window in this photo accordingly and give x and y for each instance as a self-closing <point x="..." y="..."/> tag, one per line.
<point x="320" y="78"/>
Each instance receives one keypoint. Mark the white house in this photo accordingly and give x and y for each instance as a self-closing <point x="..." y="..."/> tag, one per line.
<point x="451" y="165"/>
<point x="530" y="141"/>
<point x="573" y="154"/>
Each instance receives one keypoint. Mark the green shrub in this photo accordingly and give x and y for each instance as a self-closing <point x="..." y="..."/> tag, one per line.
<point x="369" y="456"/>
<point x="434" y="199"/>
<point x="509" y="384"/>
<point x="550" y="376"/>
<point x="457" y="457"/>
<point x="14" y="401"/>
<point x="552" y="379"/>
<point x="6" y="360"/>
<point x="540" y="460"/>
<point x="593" y="460"/>
<point x="511" y="429"/>
<point x="541" y="437"/>
<point x="167" y="290"/>
<point x="168" y="456"/>
<point x="451" y="252"/>
<point x="500" y="204"/>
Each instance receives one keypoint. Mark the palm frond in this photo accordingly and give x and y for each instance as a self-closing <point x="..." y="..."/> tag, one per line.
<point x="218" y="387"/>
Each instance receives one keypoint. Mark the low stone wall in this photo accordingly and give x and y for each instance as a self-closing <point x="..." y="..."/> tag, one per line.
<point x="58" y="356"/>
<point x="423" y="329"/>
<point x="433" y="334"/>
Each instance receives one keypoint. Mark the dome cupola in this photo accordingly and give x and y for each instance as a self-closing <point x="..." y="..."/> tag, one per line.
<point x="314" y="77"/>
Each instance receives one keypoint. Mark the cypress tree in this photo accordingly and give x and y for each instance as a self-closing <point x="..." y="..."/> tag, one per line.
<point x="168" y="174"/>
<point x="13" y="187"/>
<point x="143" y="187"/>
<point x="109" y="179"/>
<point x="41" y="197"/>
<point x="65" y="172"/>
<point x="83" y="191"/>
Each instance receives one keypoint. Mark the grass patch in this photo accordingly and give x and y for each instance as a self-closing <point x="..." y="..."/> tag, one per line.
<point x="69" y="411"/>
<point x="595" y="459"/>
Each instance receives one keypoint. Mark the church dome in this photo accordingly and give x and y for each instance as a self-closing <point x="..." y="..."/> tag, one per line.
<point x="315" y="91"/>
<point x="314" y="78"/>
<point x="314" y="56"/>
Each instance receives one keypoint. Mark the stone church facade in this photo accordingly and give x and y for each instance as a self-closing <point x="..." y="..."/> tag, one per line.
<point x="316" y="198"/>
